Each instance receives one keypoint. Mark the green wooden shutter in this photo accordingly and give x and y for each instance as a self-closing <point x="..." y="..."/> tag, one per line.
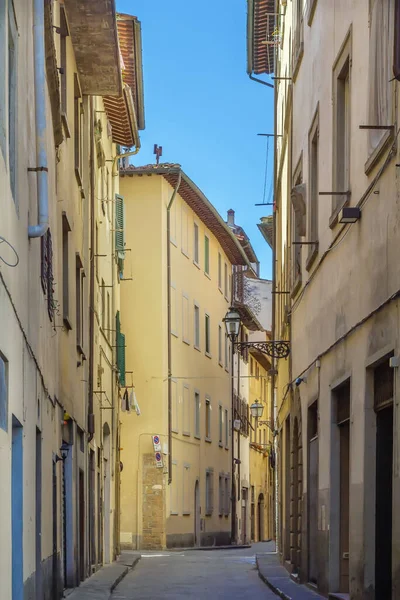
<point x="120" y="232"/>
<point x="120" y="341"/>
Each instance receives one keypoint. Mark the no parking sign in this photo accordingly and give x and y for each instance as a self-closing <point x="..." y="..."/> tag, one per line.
<point x="159" y="460"/>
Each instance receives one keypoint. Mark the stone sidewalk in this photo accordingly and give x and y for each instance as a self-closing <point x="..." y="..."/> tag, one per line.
<point x="278" y="579"/>
<point x="101" y="585"/>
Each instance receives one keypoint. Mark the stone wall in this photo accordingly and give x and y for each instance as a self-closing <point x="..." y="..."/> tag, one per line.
<point x="153" y="505"/>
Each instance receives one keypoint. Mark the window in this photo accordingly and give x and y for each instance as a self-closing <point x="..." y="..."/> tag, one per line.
<point x="206" y="255"/>
<point x="226" y="423"/>
<point x="219" y="272"/>
<point x="103" y="304"/>
<point x="79" y="276"/>
<point x="197" y="414"/>
<point x="46" y="268"/>
<point x="174" y="311"/>
<point x="208" y="419"/>
<point x="207" y="334"/>
<point x="12" y="97"/>
<point x="313" y="153"/>
<point x="120" y="343"/>
<point x="251" y="366"/>
<point x="380" y="96"/>
<point x="209" y="491"/>
<point x="196" y="243"/>
<point x="341" y="128"/>
<point x="185" y="319"/>
<point x="227" y="495"/>
<point x="65" y="264"/>
<point x="3" y="394"/>
<point x="186" y="490"/>
<point x="78" y="117"/>
<point x="174" y="402"/>
<point x="220" y="421"/>
<point x="220" y="345"/>
<point x="186" y="410"/>
<point x="226" y="352"/>
<point x="108" y="316"/>
<point x="297" y="226"/>
<point x="226" y="280"/>
<point x="185" y="230"/>
<point x="172" y="217"/>
<point x="196" y="327"/>
<point x="63" y="60"/>
<point x="3" y="86"/>
<point x="298" y="45"/>
<point x="173" y="490"/>
<point x="221" y="495"/>
<point x="120" y="234"/>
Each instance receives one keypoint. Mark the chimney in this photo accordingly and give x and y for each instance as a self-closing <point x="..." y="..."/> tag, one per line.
<point x="231" y="217"/>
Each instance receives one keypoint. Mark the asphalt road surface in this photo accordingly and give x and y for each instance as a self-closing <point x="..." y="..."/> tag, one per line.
<point x="196" y="575"/>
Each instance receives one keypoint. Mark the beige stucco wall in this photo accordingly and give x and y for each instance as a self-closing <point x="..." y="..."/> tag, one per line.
<point x="143" y="313"/>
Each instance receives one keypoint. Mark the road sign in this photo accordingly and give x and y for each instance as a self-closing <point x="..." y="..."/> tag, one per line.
<point x="159" y="460"/>
<point x="156" y="443"/>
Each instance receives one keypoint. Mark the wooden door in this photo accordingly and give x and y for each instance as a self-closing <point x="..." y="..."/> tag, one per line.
<point x="344" y="505"/>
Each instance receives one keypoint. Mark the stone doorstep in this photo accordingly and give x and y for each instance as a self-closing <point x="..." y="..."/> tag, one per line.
<point x="101" y="585"/>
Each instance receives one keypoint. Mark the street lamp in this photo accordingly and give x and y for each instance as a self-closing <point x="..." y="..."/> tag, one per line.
<point x="64" y="451"/>
<point x="256" y="410"/>
<point x="232" y="324"/>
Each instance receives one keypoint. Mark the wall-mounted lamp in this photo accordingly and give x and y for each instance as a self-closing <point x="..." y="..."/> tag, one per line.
<point x="64" y="451"/>
<point x="349" y="214"/>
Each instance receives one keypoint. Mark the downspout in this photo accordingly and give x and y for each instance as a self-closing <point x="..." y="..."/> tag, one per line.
<point x="125" y="155"/>
<point x="90" y="416"/>
<point x="40" y="122"/>
<point x="169" y="351"/>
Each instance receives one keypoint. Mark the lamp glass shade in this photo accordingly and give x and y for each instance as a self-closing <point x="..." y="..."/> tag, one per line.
<point x="232" y="323"/>
<point x="256" y="410"/>
<point x="64" y="450"/>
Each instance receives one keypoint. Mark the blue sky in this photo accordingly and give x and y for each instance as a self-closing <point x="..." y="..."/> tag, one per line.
<point x="203" y="109"/>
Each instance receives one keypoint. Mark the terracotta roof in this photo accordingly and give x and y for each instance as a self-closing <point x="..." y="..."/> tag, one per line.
<point x="126" y="112"/>
<point x="260" y="30"/>
<point x="197" y="201"/>
<point x="245" y="243"/>
<point x="267" y="229"/>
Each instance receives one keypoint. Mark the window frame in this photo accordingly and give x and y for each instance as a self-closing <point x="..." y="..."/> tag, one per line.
<point x="196" y="326"/>
<point x="206" y="255"/>
<point x="196" y="244"/>
<point x="66" y="229"/>
<point x="207" y="335"/>
<point x="185" y="322"/>
<point x="209" y="489"/>
<point x="313" y="187"/>
<point x="12" y="82"/>
<point x="197" y="414"/>
<point x="186" y="410"/>
<point x="208" y="419"/>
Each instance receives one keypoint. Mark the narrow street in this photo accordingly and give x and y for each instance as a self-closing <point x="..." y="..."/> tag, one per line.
<point x="196" y="575"/>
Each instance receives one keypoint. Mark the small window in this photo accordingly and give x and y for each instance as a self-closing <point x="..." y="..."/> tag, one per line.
<point x="185" y="230"/>
<point x="108" y="316"/>
<point x="47" y="276"/>
<point x="79" y="296"/>
<point x="197" y="414"/>
<point x="226" y="352"/>
<point x="186" y="491"/>
<point x="120" y="234"/>
<point x="221" y="495"/>
<point x="220" y="421"/>
<point x="3" y="395"/>
<point x="207" y="334"/>
<point x="209" y="492"/>
<point x="103" y="304"/>
<point x="63" y="60"/>
<point x="208" y="419"/>
<point x="219" y="271"/>
<point x="185" y="319"/>
<point x="227" y="495"/>
<point x="12" y="98"/>
<point x="226" y="280"/>
<point x="313" y="152"/>
<point x="196" y="327"/>
<point x="173" y="490"/>
<point x="65" y="274"/>
<point x="186" y="410"/>
<point x="78" y="119"/>
<point x="206" y="255"/>
<point x="220" y="345"/>
<point x="174" y="311"/>
<point x="174" y="402"/>
<point x="226" y="424"/>
<point x="196" y="243"/>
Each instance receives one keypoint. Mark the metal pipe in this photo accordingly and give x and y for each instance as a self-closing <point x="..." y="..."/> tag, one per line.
<point x="261" y="81"/>
<point x="40" y="122"/>
<point x="124" y="155"/>
<point x="90" y="416"/>
<point x="169" y="351"/>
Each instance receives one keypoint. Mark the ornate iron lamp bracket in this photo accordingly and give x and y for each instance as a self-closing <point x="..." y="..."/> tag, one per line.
<point x="274" y="349"/>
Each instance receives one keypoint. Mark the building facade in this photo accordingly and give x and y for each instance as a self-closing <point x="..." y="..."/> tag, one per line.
<point x="176" y="491"/>
<point x="336" y="283"/>
<point x="58" y="376"/>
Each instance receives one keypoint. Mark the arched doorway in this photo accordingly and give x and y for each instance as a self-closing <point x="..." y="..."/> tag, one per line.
<point x="107" y="492"/>
<point x="196" y="514"/>
<point x="260" y="518"/>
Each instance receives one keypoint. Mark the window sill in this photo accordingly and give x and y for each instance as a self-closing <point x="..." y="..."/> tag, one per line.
<point x="186" y="513"/>
<point x="220" y="444"/>
<point x="174" y="430"/>
<point x="208" y="514"/>
<point x="312" y="255"/>
<point x="173" y="513"/>
<point x="208" y="355"/>
<point x="226" y="297"/>
<point x="65" y="124"/>
<point x="208" y="440"/>
<point x="186" y="433"/>
<point x="220" y="290"/>
<point x="185" y="253"/>
<point x="197" y="348"/>
<point x="221" y="364"/>
<point x="311" y="12"/>
<point x="226" y="447"/>
<point x="78" y="176"/>
<point x="196" y="264"/>
<point x="207" y="275"/>
<point x="174" y="333"/>
<point x="80" y="351"/>
<point x="67" y="323"/>
<point x="374" y="157"/>
<point x="227" y="369"/>
<point x="335" y="213"/>
<point x="186" y="342"/>
<point x="197" y="437"/>
<point x="173" y="242"/>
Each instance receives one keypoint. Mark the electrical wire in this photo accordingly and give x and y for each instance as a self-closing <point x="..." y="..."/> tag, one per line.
<point x="3" y="240"/>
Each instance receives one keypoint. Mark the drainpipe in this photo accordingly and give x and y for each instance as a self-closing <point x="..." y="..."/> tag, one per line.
<point x="261" y="81"/>
<point x="40" y="122"/>
<point x="90" y="417"/>
<point x="124" y="155"/>
<point x="169" y="352"/>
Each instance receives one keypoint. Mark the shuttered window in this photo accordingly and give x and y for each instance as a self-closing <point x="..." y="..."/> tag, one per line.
<point x="221" y="494"/>
<point x="209" y="491"/>
<point x="227" y="496"/>
<point x="120" y="351"/>
<point x="46" y="271"/>
<point x="120" y="233"/>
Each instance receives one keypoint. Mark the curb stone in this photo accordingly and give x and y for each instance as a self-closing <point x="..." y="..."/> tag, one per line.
<point x="272" y="587"/>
